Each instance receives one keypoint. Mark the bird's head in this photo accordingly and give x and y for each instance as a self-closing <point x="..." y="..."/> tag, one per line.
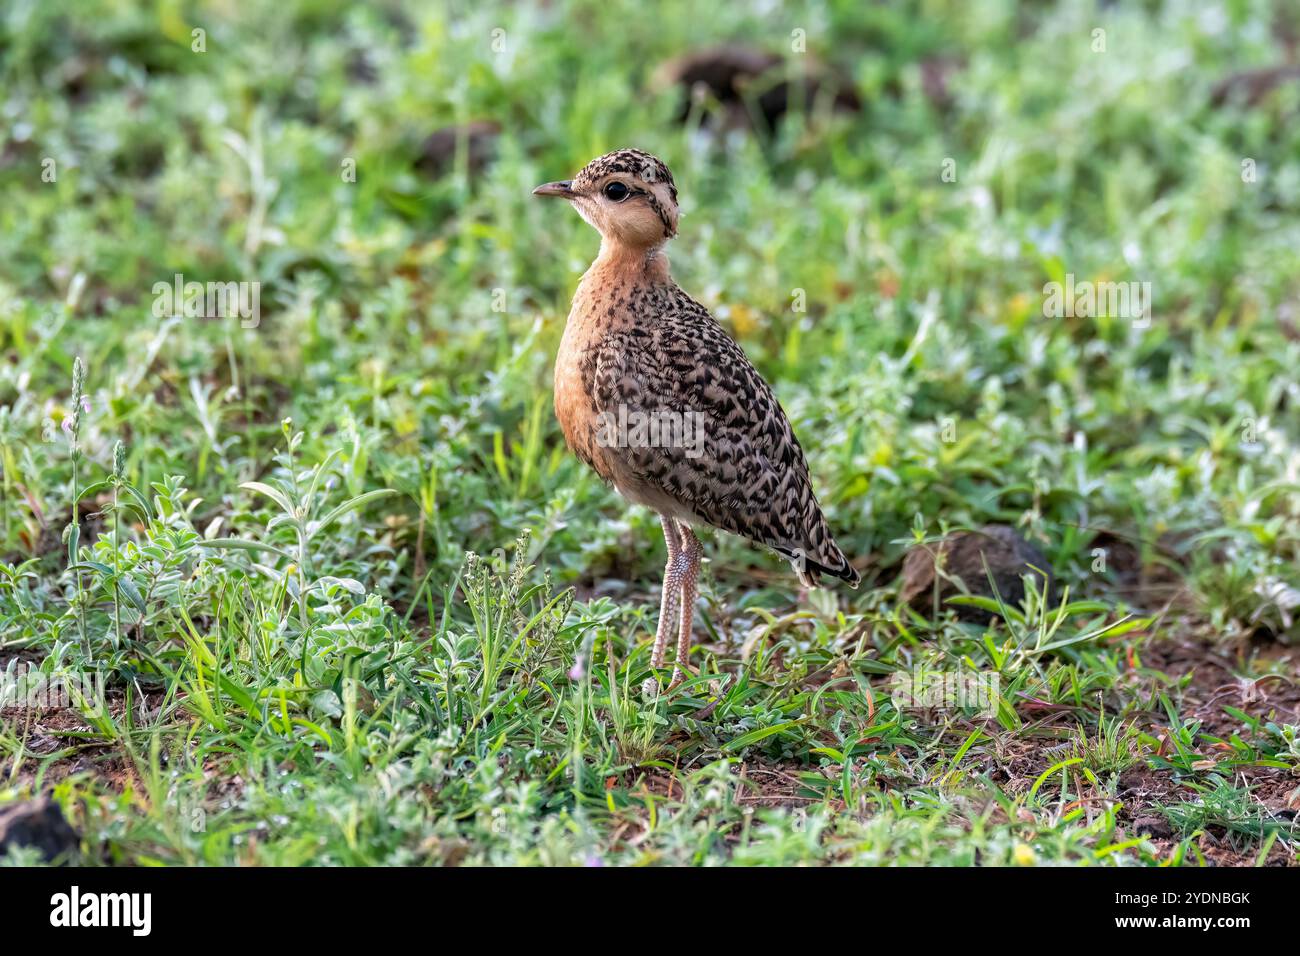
<point x="627" y="195"/>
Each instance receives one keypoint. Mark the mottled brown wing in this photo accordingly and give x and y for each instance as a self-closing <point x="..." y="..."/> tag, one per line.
<point x="724" y="450"/>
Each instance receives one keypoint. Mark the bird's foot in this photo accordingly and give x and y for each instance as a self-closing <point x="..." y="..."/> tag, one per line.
<point x="650" y="688"/>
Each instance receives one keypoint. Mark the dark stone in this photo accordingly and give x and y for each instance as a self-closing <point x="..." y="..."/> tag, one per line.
<point x="1154" y="826"/>
<point x="963" y="555"/>
<point x="438" y="152"/>
<point x="38" y="824"/>
<point x="1251" y="87"/>
<point x="720" y="76"/>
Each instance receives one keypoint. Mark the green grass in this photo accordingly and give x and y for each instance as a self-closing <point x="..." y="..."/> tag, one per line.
<point x="353" y="601"/>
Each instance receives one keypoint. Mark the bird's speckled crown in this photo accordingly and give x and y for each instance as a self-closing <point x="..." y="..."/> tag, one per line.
<point x="648" y="168"/>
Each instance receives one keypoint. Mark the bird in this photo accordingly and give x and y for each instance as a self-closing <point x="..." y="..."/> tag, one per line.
<point x="655" y="396"/>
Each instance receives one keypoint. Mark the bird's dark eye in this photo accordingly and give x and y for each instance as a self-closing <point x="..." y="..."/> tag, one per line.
<point x="616" y="191"/>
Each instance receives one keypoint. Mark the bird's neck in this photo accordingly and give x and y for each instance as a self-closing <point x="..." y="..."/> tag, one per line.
<point x="606" y="287"/>
<point x="635" y="263"/>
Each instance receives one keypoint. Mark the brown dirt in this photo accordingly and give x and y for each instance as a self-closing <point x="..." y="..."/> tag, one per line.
<point x="47" y="732"/>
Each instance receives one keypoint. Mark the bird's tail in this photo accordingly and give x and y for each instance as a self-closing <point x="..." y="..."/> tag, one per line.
<point x="830" y="560"/>
<point x="811" y="571"/>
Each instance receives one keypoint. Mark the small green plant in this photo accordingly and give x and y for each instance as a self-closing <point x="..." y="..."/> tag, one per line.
<point x="301" y="499"/>
<point x="1115" y="747"/>
<point x="1221" y="806"/>
<point x="635" y="721"/>
<point x="72" y="533"/>
<point x="1286" y="742"/>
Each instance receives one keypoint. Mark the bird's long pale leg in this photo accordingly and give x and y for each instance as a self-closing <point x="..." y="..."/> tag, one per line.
<point x="692" y="552"/>
<point x="672" y="592"/>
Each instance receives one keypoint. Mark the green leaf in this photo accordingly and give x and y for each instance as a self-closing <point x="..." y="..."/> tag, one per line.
<point x="74" y="539"/>
<point x="145" y="511"/>
<point x="277" y="496"/>
<point x="327" y="702"/>
<point x="310" y="500"/>
<point x="1042" y="777"/>
<point x="975" y="600"/>
<point x="132" y="593"/>
<point x="351" y="503"/>
<point x="92" y="489"/>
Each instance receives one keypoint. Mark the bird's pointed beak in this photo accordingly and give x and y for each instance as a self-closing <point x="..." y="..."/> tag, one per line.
<point x="563" y="189"/>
